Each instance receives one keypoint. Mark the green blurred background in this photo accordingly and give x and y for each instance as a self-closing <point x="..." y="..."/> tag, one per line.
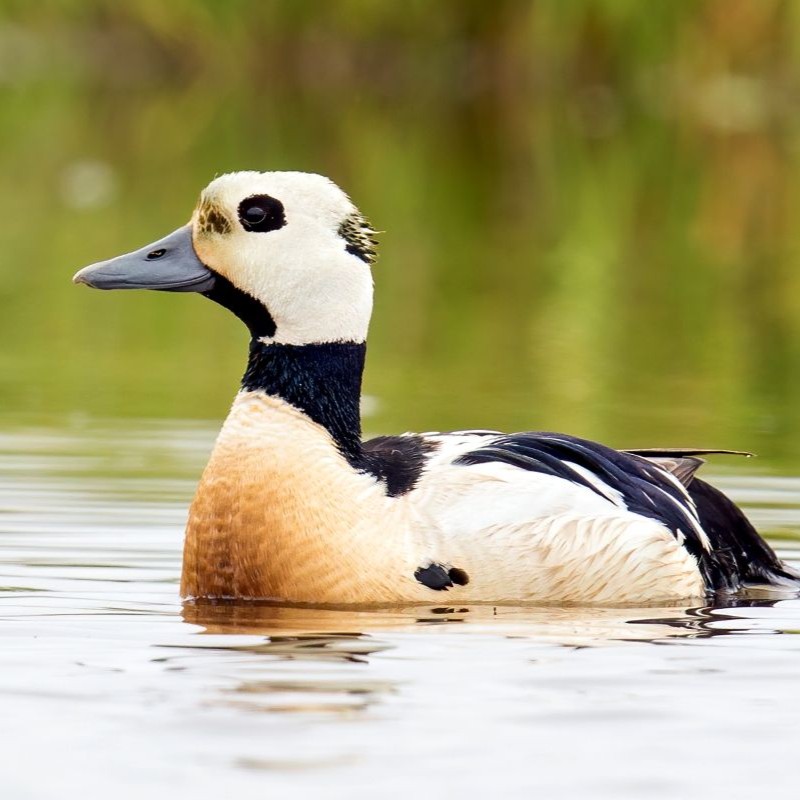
<point x="590" y="207"/>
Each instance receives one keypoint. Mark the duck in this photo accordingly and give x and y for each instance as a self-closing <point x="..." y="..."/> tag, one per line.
<point x="295" y="507"/>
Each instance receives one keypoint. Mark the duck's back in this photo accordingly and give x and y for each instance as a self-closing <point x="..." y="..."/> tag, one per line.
<point x="544" y="516"/>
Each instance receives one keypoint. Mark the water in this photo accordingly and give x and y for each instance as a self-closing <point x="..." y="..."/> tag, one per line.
<point x="110" y="685"/>
<point x="590" y="226"/>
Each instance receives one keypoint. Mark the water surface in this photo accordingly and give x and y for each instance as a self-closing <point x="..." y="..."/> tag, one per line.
<point x="111" y="686"/>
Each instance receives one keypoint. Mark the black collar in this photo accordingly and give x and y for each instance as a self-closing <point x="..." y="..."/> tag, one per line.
<point x="322" y="380"/>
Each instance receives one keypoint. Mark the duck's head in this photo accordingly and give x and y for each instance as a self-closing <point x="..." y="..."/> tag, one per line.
<point x="287" y="252"/>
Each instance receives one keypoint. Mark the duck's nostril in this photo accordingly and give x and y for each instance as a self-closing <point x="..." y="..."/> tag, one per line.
<point x="154" y="254"/>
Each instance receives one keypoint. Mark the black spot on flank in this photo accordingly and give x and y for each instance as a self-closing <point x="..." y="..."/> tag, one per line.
<point x="440" y="578"/>
<point x="434" y="577"/>
<point x="249" y="310"/>
<point x="458" y="576"/>
<point x="396" y="460"/>
<point x="261" y="213"/>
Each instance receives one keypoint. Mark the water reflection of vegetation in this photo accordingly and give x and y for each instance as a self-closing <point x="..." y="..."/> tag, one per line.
<point x="588" y="206"/>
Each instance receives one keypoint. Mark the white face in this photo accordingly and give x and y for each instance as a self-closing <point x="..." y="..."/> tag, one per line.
<point x="282" y="237"/>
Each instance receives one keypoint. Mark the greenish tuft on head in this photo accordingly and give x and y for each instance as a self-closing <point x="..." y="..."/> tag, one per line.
<point x="358" y="233"/>
<point x="211" y="219"/>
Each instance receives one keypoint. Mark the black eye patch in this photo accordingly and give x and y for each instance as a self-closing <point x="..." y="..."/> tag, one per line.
<point x="261" y="213"/>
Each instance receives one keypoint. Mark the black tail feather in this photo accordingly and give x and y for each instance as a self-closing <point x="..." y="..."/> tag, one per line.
<point x="738" y="553"/>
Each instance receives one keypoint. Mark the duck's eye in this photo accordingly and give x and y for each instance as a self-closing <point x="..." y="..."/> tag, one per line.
<point x="261" y="213"/>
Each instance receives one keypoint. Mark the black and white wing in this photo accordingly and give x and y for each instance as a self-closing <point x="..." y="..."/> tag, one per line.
<point x="479" y="480"/>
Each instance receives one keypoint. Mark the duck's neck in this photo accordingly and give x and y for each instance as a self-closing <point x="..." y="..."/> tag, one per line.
<point x="321" y="380"/>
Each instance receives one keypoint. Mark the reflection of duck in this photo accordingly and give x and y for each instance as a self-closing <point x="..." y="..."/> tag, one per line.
<point x="354" y="635"/>
<point x="293" y="505"/>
